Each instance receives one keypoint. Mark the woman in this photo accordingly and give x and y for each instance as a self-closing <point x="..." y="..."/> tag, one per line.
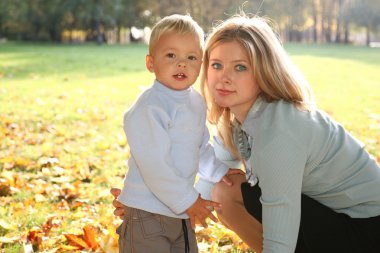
<point x="309" y="185"/>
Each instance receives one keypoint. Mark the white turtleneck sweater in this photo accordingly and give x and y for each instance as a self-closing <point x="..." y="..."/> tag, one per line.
<point x="169" y="142"/>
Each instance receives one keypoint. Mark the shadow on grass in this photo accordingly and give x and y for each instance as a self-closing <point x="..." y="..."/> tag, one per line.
<point x="25" y="60"/>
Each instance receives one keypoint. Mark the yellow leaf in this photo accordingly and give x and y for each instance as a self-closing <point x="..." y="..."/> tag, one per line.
<point x="109" y="240"/>
<point x="9" y="240"/>
<point x="39" y="198"/>
<point x="5" y="225"/>
<point x="67" y="248"/>
<point x="9" y="177"/>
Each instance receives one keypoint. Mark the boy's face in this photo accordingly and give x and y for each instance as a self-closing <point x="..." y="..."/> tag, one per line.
<point x="176" y="60"/>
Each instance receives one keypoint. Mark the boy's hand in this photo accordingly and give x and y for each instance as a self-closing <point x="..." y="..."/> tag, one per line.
<point x="227" y="180"/>
<point x="200" y="210"/>
<point x="119" y="207"/>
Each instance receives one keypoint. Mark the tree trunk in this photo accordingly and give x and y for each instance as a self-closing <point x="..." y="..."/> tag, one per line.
<point x="99" y="36"/>
<point x="315" y="19"/>
<point x="338" y="22"/>
<point x="346" y="33"/>
<point x="368" y="35"/>
<point x="54" y="35"/>
<point x="118" y="28"/>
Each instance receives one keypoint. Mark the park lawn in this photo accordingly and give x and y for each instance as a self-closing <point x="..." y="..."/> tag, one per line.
<point x="62" y="144"/>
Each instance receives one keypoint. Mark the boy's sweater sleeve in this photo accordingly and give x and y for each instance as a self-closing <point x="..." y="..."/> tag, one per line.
<point x="210" y="168"/>
<point x="149" y="142"/>
<point x="224" y="155"/>
<point x="203" y="185"/>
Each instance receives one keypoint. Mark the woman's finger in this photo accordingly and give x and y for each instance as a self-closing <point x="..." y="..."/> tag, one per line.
<point x="227" y="180"/>
<point x="202" y="220"/>
<point x="212" y="217"/>
<point x="212" y="203"/>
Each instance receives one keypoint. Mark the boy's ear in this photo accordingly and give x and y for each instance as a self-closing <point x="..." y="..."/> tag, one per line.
<point x="149" y="63"/>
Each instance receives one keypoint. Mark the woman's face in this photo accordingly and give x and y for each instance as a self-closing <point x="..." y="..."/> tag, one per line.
<point x="230" y="79"/>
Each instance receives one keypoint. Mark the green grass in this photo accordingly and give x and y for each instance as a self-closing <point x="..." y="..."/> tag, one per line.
<point x="67" y="102"/>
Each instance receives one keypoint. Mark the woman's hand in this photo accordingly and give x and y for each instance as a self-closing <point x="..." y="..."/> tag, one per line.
<point x="119" y="207"/>
<point x="227" y="180"/>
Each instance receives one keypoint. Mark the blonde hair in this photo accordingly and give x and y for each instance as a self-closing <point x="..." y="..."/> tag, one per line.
<point x="274" y="73"/>
<point x="181" y="24"/>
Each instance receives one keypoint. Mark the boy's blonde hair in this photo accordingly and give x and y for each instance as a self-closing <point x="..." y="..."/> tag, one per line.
<point x="274" y="73"/>
<point x="180" y="24"/>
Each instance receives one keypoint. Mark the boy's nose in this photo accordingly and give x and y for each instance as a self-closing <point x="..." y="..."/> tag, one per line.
<point x="181" y="64"/>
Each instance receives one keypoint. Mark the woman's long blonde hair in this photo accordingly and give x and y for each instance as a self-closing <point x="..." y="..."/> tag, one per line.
<point x="274" y="73"/>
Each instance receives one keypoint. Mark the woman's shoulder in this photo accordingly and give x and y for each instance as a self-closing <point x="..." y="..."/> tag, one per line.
<point x="282" y="118"/>
<point x="281" y="112"/>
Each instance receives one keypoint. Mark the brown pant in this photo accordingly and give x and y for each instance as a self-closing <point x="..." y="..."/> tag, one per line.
<point x="145" y="232"/>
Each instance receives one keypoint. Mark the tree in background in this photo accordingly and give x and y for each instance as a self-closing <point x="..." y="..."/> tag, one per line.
<point x="319" y="21"/>
<point x="365" y="14"/>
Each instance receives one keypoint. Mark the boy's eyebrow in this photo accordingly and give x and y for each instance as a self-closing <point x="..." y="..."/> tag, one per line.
<point x="191" y="52"/>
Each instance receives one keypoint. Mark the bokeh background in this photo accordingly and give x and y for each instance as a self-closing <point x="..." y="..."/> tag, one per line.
<point x="112" y="21"/>
<point x="69" y="69"/>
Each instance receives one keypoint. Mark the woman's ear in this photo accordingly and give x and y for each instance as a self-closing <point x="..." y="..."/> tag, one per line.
<point x="149" y="63"/>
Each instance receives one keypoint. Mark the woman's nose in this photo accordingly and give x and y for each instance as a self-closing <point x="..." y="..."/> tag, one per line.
<point x="226" y="78"/>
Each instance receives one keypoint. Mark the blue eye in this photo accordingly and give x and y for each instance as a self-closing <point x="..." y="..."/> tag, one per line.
<point x="240" y="67"/>
<point x="216" y="65"/>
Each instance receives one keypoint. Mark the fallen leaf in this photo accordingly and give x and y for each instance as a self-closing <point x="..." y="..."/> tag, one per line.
<point x="34" y="237"/>
<point x="9" y="240"/>
<point x="91" y="237"/>
<point x="5" y="190"/>
<point x="109" y="240"/>
<point x="6" y="226"/>
<point x="67" y="248"/>
<point x="75" y="240"/>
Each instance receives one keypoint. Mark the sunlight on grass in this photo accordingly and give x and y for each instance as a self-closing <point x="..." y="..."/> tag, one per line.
<point x="63" y="147"/>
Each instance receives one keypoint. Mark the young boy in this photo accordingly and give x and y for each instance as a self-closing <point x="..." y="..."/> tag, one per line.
<point x="169" y="142"/>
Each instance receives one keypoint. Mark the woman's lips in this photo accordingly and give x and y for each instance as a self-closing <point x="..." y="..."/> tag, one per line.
<point x="223" y="92"/>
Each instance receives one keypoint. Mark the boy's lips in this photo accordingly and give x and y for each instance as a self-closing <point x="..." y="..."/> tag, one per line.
<point x="180" y="76"/>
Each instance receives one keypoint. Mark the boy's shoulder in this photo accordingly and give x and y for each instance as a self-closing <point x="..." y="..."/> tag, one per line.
<point x="148" y="99"/>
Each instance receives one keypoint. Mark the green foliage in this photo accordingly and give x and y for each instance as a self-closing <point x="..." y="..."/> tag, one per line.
<point x="45" y="20"/>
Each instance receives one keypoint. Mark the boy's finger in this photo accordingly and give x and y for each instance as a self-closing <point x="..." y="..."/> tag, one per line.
<point x="117" y="204"/>
<point x="115" y="192"/>
<point x="119" y="212"/>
